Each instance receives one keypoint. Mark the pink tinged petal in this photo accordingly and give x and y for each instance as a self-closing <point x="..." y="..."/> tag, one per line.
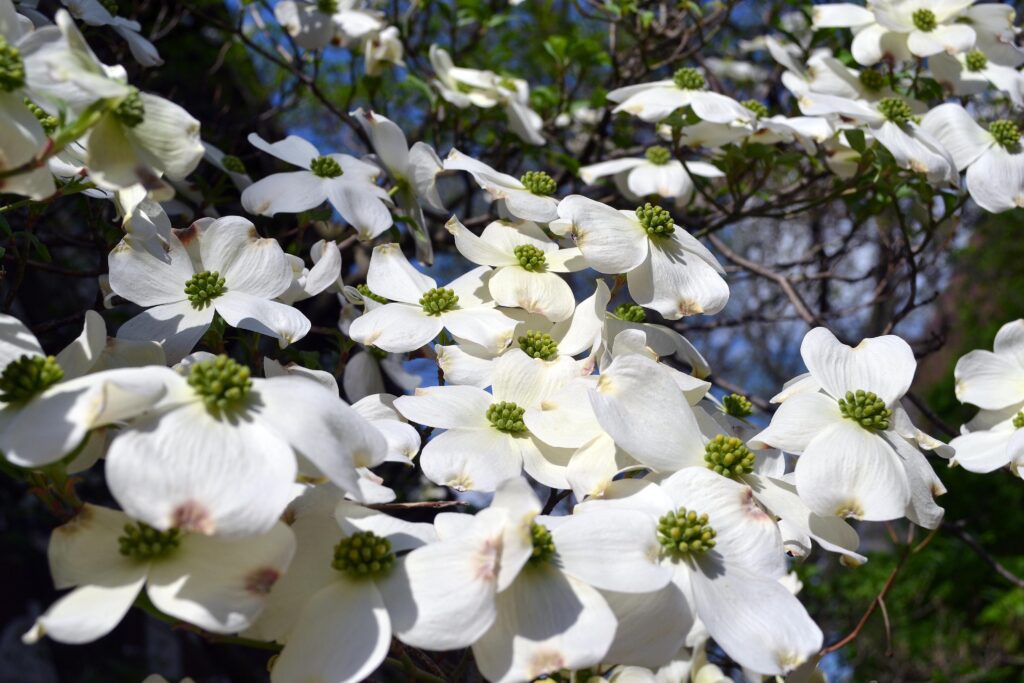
<point x="989" y="380"/>
<point x="250" y="264"/>
<point x="883" y="365"/>
<point x="396" y="327"/>
<point x="755" y="619"/>
<point x="848" y="471"/>
<point x="177" y="327"/>
<point x="958" y="132"/>
<point x="290" y="192"/>
<point x="272" y="318"/>
<point x="472" y="459"/>
<point x="676" y="283"/>
<point x="447" y="407"/>
<point x="547" y="621"/>
<point x="951" y="38"/>
<point x="996" y="180"/>
<point x="219" y="584"/>
<point x="391" y="276"/>
<point x="293" y="149"/>
<point x="652" y="626"/>
<point x="487" y="327"/>
<point x="142" y="278"/>
<point x="615" y="550"/>
<point x="611" y="242"/>
<point x="477" y="249"/>
<point x="354" y="614"/>
<point x="190" y="470"/>
<point x="646" y="414"/>
<point x="800" y="418"/>
<point x="361" y="205"/>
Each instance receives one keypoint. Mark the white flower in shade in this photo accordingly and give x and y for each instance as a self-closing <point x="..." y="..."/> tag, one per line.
<point x="382" y="50"/>
<point x="419" y="309"/>
<point x="219" y="455"/>
<point x="666" y="268"/>
<point x="308" y="282"/>
<point x="220" y="266"/>
<point x="994" y="158"/>
<point x="314" y="25"/>
<point x="486" y="440"/>
<point x="96" y="13"/>
<point x="524" y="590"/>
<point x="48" y="405"/>
<point x="332" y="610"/>
<point x="526" y="263"/>
<point x="727" y="557"/>
<point x="972" y="73"/>
<point x="890" y="121"/>
<point x="995" y="25"/>
<point x="529" y="198"/>
<point x="656" y="173"/>
<point x="366" y="370"/>
<point x="413" y="170"/>
<point x="219" y="585"/>
<point x="346" y="182"/>
<point x="900" y="29"/>
<point x="229" y="164"/>
<point x="857" y="457"/>
<point x="686" y="89"/>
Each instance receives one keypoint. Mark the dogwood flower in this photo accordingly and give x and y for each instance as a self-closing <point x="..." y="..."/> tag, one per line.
<point x="972" y="73"/>
<point x="314" y="25"/>
<point x="656" y="173"/>
<point x="107" y="557"/>
<point x="653" y="102"/>
<point x="486" y="441"/>
<point x="419" y="309"/>
<point x="346" y="182"/>
<point x="229" y="164"/>
<point x="529" y="198"/>
<point x="666" y="268"/>
<point x="993" y="158"/>
<point x="219" y="266"/>
<point x="220" y="452"/>
<point x="95" y="13"/>
<point x="526" y="263"/>
<point x="308" y="282"/>
<point x="524" y="589"/>
<point x="382" y="49"/>
<point x="853" y="462"/>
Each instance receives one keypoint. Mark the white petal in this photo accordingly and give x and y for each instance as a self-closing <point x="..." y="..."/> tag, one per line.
<point x="676" y="283"/>
<point x="361" y="205"/>
<point x="472" y="459"/>
<point x="16" y="340"/>
<point x="883" y="365"/>
<point x="589" y="174"/>
<point x="652" y="627"/>
<point x="564" y="418"/>
<point x="167" y="139"/>
<point x="989" y="380"/>
<point x="951" y="38"/>
<point x="290" y="192"/>
<point x="84" y="550"/>
<point x="611" y="243"/>
<point x="528" y="381"/>
<point x="90" y="612"/>
<point x="293" y="149"/>
<point x="392" y="276"/>
<point x="922" y="509"/>
<point x="915" y="151"/>
<point x="177" y="327"/>
<point x="460" y="367"/>
<point x="1010" y="341"/>
<point x="666" y="180"/>
<point x="488" y="327"/>
<point x="395" y="327"/>
<point x="477" y="249"/>
<point x="447" y="407"/>
<point x="840" y="15"/>
<point x="257" y="266"/>
<point x="531" y="207"/>
<point x="271" y="318"/>
<point x="958" y="132"/>
<point x="996" y="180"/>
<point x="83" y="353"/>
<point x="798" y="420"/>
<point x="984" y="451"/>
<point x="142" y="278"/>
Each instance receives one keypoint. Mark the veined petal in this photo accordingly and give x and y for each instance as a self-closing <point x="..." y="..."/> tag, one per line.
<point x="272" y="318"/>
<point x="989" y="380"/>
<point x="395" y="327"/>
<point x="447" y="407"/>
<point x="958" y="132"/>
<point x="391" y="276"/>
<point x="488" y="327"/>
<point x="293" y="149"/>
<point x="884" y="365"/>
<point x="167" y="139"/>
<point x="996" y="180"/>
<point x="676" y="283"/>
<point x="800" y="418"/>
<point x="289" y="192"/>
<point x="251" y="264"/>
<point x="472" y="459"/>
<point x="611" y="243"/>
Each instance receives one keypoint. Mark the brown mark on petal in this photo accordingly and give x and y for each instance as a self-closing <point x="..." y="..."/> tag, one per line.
<point x="192" y="517"/>
<point x="487" y="559"/>
<point x="186" y="235"/>
<point x="752" y="505"/>
<point x="850" y="509"/>
<point x="260" y="581"/>
<point x="546" y="662"/>
<point x="78" y="522"/>
<point x="689" y="307"/>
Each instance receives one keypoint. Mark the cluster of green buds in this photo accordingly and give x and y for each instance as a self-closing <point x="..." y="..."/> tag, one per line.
<point x="757" y="107"/>
<point x="530" y="257"/>
<point x="48" y="122"/>
<point x="364" y="289"/>
<point x="27" y="377"/>
<point x="325" y="167"/>
<point x="689" y="78"/>
<point x="539" y="182"/>
<point x="204" y="287"/>
<point x="737" y="406"/>
<point x="327" y="6"/>
<point x="895" y="109"/>
<point x="543" y="544"/>
<point x="221" y="382"/>
<point x="438" y="300"/>
<point x="363" y="555"/>
<point x="728" y="456"/>
<point x="976" y="61"/>
<point x="1018" y="420"/>
<point x="634" y="313"/>
<point x="232" y="163"/>
<point x="131" y="111"/>
<point x="1006" y="133"/>
<point x="924" y="20"/>
<point x="655" y="220"/>
<point x="12" y="68"/>
<point x="866" y="409"/>
<point x="506" y="417"/>
<point x="143" y="542"/>
<point x="684" y="532"/>
<point x="658" y="155"/>
<point x="872" y="79"/>
<point x="539" y="345"/>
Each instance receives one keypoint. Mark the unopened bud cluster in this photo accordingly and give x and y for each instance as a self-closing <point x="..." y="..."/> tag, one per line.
<point x="866" y="409"/>
<point x="543" y="544"/>
<point x="539" y="182"/>
<point x="506" y="417"/>
<point x="143" y="542"/>
<point x="631" y="312"/>
<point x="539" y="345"/>
<point x="221" y="382"/>
<point x="685" y="532"/>
<point x="655" y="220"/>
<point x="530" y="257"/>
<point x="363" y="555"/>
<point x="737" y="406"/>
<point x="438" y="300"/>
<point x="202" y="288"/>
<point x="728" y="456"/>
<point x="28" y="376"/>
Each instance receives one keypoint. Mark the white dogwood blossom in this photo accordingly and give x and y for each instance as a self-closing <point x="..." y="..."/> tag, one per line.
<point x="656" y="173"/>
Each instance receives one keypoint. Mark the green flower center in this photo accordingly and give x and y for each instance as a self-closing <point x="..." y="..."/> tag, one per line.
<point x="737" y="406"/>
<point x="325" y="167"/>
<point x="221" y="382"/>
<point x="143" y="542"/>
<point x="631" y="312"/>
<point x="507" y="417"/>
<point x="204" y="287"/>
<point x="364" y="555"/>
<point x="685" y="532"/>
<point x="655" y="220"/>
<point x="866" y="409"/>
<point x="924" y="20"/>
<point x="531" y="258"/>
<point x="232" y="163"/>
<point x="688" y="78"/>
<point x="539" y="345"/>
<point x="28" y="376"/>
<point x="378" y="353"/>
<point x="110" y="5"/>
<point x="438" y="300"/>
<point x="12" y="68"/>
<point x="49" y="123"/>
<point x="728" y="456"/>
<point x="976" y="60"/>
<point x="872" y="80"/>
<point x="543" y="544"/>
<point x="327" y="6"/>
<point x="538" y="182"/>
<point x="894" y="109"/>
<point x="658" y="155"/>
<point x="756" y="106"/>
<point x="131" y="111"/>
<point x="1005" y="132"/>
<point x="364" y="289"/>
<point x="1018" y="420"/>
